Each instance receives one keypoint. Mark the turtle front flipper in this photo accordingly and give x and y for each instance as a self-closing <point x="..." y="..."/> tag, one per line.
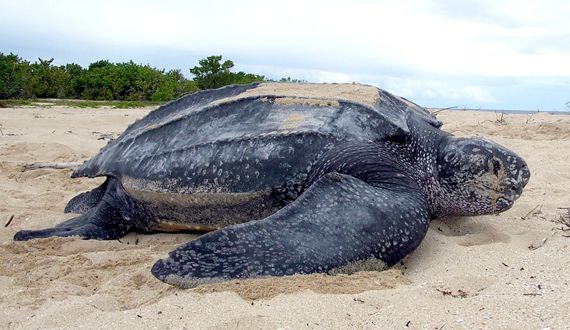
<point x="337" y="222"/>
<point x="111" y="218"/>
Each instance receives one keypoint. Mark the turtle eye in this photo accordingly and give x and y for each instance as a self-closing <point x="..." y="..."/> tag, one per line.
<point x="451" y="157"/>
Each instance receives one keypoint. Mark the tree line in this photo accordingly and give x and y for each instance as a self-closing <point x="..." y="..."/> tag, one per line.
<point x="103" y="80"/>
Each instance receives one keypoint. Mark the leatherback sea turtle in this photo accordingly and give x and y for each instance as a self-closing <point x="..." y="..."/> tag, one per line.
<point x="290" y="178"/>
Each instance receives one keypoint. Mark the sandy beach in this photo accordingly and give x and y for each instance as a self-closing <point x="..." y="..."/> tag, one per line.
<point x="510" y="271"/>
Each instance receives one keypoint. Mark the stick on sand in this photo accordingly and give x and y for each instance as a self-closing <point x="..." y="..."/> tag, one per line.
<point x="57" y="166"/>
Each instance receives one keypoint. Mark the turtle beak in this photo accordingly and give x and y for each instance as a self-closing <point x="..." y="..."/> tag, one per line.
<point x="525" y="174"/>
<point x="521" y="178"/>
<point x="513" y="186"/>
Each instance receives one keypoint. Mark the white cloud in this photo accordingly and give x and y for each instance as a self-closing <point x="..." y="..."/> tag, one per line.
<point x="416" y="34"/>
<point x="425" y="44"/>
<point x="461" y="92"/>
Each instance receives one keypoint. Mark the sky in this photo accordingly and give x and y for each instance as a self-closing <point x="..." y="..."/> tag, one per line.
<point x="476" y="54"/>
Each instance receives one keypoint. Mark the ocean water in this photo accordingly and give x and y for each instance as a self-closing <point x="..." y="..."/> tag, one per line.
<point x="506" y="111"/>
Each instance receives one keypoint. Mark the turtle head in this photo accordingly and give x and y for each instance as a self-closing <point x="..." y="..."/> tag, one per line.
<point x="479" y="176"/>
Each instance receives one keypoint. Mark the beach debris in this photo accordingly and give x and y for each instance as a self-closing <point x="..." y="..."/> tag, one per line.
<point x="105" y="136"/>
<point x="500" y="118"/>
<point x="6" y="134"/>
<point x="564" y="220"/>
<point x="9" y="221"/>
<point x="455" y="294"/>
<point x="40" y="165"/>
<point x="534" y="246"/>
<point x="532" y="212"/>
<point x="435" y="112"/>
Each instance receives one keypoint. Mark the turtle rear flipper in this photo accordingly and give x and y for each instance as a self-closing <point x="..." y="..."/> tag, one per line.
<point x="87" y="200"/>
<point x="103" y="221"/>
<point x="338" y="221"/>
<point x="94" y="224"/>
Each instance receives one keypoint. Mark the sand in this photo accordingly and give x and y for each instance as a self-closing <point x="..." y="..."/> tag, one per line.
<point x="315" y="94"/>
<point x="507" y="271"/>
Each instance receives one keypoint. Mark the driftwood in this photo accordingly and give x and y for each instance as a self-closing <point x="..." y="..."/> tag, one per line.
<point x="532" y="211"/>
<point x="105" y="136"/>
<point x="9" y="221"/>
<point x="57" y="166"/>
<point x="435" y="112"/>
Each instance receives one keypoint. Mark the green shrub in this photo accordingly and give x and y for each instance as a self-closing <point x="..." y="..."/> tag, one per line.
<point x="103" y="80"/>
